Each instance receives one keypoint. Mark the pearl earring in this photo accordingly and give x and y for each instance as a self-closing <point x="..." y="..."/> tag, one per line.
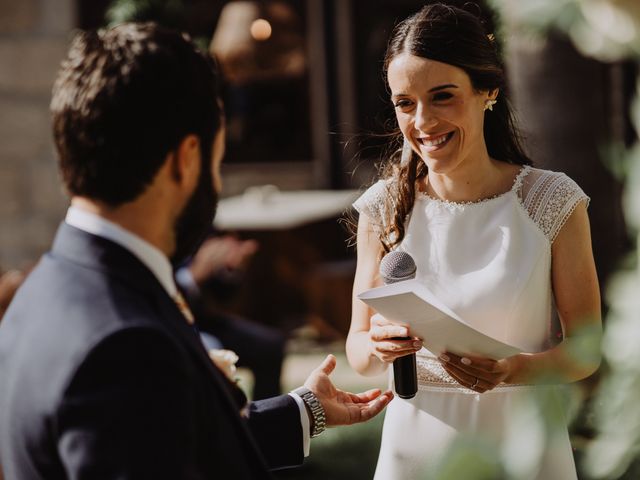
<point x="488" y="104"/>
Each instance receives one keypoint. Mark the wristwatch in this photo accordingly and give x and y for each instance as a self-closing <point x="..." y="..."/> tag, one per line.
<point x="316" y="409"/>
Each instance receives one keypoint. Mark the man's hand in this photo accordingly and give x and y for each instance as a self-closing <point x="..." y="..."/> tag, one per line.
<point x="343" y="408"/>
<point x="221" y="253"/>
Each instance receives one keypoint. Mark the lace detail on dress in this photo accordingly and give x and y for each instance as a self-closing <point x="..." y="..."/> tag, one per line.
<point x="517" y="184"/>
<point x="550" y="198"/>
<point x="372" y="203"/>
<point x="432" y="376"/>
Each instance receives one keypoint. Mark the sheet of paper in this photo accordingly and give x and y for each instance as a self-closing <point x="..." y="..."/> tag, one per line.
<point x="411" y="303"/>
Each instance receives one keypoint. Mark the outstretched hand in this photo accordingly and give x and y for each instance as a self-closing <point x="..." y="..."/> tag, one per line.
<point x="344" y="408"/>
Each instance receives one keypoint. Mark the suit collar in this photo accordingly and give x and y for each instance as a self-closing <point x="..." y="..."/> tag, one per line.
<point x="153" y="258"/>
<point x="97" y="253"/>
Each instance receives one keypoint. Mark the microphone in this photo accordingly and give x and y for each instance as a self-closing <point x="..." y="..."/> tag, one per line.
<point x="397" y="266"/>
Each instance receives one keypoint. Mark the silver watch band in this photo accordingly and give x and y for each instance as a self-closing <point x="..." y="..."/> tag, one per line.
<point x="316" y="409"/>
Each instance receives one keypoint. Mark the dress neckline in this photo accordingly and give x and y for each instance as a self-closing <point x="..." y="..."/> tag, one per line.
<point x="517" y="183"/>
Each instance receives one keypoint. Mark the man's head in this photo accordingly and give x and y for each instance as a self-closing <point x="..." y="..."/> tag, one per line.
<point x="127" y="101"/>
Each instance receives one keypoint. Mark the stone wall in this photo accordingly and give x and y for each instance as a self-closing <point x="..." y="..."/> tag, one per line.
<point x="34" y="35"/>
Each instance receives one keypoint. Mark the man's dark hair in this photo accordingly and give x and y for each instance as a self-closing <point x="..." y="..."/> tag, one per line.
<point x="124" y="98"/>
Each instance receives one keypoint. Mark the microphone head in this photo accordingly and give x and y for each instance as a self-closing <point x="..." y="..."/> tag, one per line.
<point x="397" y="266"/>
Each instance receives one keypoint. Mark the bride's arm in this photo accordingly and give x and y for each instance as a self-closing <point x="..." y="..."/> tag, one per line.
<point x="577" y="295"/>
<point x="370" y="347"/>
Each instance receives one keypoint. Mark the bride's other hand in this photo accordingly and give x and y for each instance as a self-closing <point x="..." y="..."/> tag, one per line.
<point x="388" y="341"/>
<point x="475" y="373"/>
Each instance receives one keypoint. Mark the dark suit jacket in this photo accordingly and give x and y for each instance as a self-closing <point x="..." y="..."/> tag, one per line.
<point x="101" y="377"/>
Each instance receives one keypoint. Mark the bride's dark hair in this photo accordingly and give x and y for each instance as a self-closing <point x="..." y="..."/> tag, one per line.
<point x="456" y="37"/>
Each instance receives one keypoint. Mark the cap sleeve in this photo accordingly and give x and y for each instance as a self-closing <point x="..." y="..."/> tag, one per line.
<point x="551" y="201"/>
<point x="372" y="202"/>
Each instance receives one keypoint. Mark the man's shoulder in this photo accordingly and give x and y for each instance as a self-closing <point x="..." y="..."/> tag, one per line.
<point x="61" y="312"/>
<point x="59" y="294"/>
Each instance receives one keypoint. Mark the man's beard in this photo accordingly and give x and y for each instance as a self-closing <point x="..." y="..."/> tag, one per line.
<point x="195" y="221"/>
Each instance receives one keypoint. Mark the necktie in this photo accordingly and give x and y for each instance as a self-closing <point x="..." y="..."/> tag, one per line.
<point x="184" y="308"/>
<point x="238" y="395"/>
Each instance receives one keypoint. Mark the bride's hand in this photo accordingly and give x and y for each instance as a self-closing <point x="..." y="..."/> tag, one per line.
<point x="478" y="374"/>
<point x="388" y="341"/>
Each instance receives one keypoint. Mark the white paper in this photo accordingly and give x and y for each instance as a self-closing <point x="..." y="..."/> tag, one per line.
<point x="411" y="303"/>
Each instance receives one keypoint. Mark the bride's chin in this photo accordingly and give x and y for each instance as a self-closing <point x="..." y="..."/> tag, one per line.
<point x="440" y="167"/>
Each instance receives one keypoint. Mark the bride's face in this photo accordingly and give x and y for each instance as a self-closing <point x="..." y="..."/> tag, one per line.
<point x="439" y="112"/>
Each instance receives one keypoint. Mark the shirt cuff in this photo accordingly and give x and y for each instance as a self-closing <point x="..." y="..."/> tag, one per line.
<point x="184" y="278"/>
<point x="304" y="420"/>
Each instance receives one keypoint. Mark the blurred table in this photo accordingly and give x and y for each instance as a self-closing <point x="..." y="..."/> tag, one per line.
<point x="304" y="268"/>
<point x="267" y="208"/>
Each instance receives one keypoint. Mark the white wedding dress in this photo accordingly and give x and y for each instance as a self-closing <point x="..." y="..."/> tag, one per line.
<point x="490" y="262"/>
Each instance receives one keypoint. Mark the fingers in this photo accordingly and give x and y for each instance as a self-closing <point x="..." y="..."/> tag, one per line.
<point x="365" y="397"/>
<point x="378" y="319"/>
<point x="464" y="367"/>
<point x="328" y="365"/>
<point x="477" y="384"/>
<point x="243" y="250"/>
<point x="397" y="330"/>
<point x="374" y="407"/>
<point x="249" y="247"/>
<point x="390" y="341"/>
<point x="382" y="332"/>
<point x="476" y="363"/>
<point x="467" y="369"/>
<point x="349" y="408"/>
<point x="398" y="346"/>
<point x="390" y="350"/>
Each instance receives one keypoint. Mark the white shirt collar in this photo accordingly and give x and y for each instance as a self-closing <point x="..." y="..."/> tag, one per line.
<point x="153" y="258"/>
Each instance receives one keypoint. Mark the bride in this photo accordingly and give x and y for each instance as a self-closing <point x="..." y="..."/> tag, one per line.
<point x="497" y="240"/>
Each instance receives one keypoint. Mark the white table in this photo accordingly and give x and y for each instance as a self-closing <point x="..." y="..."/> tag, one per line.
<point x="267" y="208"/>
<point x="297" y="232"/>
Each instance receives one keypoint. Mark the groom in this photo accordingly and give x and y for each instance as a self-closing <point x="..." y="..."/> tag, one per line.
<point x="102" y="374"/>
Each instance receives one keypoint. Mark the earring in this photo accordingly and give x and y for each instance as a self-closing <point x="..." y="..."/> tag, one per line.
<point x="488" y="104"/>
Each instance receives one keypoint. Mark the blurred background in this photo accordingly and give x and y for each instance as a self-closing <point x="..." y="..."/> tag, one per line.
<point x="307" y="119"/>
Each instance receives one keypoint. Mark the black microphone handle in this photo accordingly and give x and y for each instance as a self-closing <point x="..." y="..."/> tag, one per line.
<point x="397" y="266"/>
<point x="405" y="376"/>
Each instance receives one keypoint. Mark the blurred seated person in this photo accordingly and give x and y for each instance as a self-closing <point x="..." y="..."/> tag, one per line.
<point x="10" y="281"/>
<point x="213" y="274"/>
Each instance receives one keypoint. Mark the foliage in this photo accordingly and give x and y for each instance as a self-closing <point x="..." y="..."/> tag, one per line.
<point x="169" y="13"/>
<point x="617" y="414"/>
<point x="604" y="29"/>
<point x="345" y="453"/>
<point x="607" y="30"/>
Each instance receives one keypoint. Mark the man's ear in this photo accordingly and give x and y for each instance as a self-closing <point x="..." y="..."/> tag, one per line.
<point x="185" y="161"/>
